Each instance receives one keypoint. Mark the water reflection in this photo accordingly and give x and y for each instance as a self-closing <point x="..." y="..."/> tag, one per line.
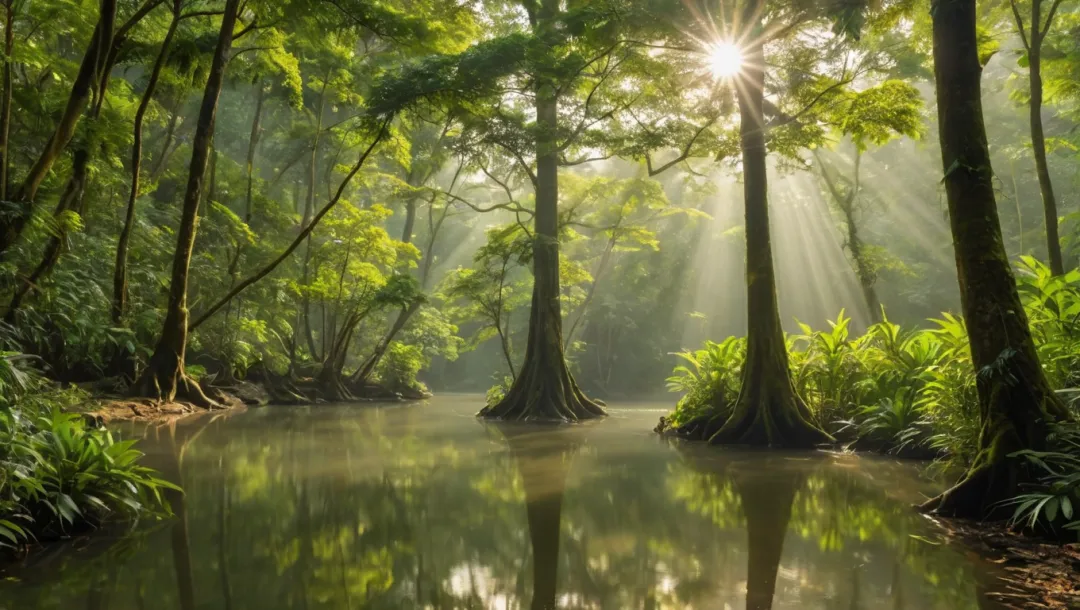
<point x="424" y="507"/>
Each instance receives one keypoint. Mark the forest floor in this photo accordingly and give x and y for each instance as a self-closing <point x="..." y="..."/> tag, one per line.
<point x="104" y="411"/>
<point x="1035" y="573"/>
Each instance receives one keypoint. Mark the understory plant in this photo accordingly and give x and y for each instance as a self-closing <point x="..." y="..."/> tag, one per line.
<point x="58" y="473"/>
<point x="1053" y="505"/>
<point x="894" y="390"/>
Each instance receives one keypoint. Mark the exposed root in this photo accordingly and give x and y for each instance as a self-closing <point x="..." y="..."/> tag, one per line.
<point x="171" y="384"/>
<point x="771" y="415"/>
<point x="981" y="494"/>
<point x="541" y="394"/>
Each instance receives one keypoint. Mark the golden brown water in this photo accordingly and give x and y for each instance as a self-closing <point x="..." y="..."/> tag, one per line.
<point x="423" y="506"/>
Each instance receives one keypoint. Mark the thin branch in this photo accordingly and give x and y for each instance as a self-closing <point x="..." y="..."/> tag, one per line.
<point x="301" y="237"/>
<point x="1020" y="25"/>
<point x="1049" y="19"/>
<point x="685" y="152"/>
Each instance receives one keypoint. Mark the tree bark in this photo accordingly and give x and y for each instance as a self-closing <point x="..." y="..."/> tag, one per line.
<point x="1017" y="405"/>
<point x="164" y="377"/>
<point x="120" y="278"/>
<point x="12" y="225"/>
<point x="768" y="412"/>
<point x="5" y="101"/>
<point x="544" y="389"/>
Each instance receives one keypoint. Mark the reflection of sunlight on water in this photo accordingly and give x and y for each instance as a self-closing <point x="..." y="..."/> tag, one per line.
<point x="469" y="581"/>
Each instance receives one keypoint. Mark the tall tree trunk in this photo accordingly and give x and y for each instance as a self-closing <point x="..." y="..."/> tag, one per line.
<point x="12" y="225"/>
<point x="846" y="203"/>
<point x="249" y="194"/>
<point x="544" y="389"/>
<point x="309" y="205"/>
<point x="120" y="277"/>
<point x="7" y="84"/>
<point x="164" y="377"/>
<point x="768" y="412"/>
<point x="1036" y="35"/>
<point x="1016" y="403"/>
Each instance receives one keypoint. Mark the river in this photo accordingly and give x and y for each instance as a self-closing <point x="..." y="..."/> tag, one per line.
<point x="423" y="506"/>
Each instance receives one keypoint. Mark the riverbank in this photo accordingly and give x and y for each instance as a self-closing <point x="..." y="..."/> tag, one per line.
<point x="1035" y="573"/>
<point x="106" y="408"/>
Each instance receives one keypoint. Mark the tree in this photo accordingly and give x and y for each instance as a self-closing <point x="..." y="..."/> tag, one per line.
<point x="768" y="411"/>
<point x="488" y="289"/>
<point x="873" y="116"/>
<point x="90" y="72"/>
<point x="1017" y="406"/>
<point x="1033" y="35"/>
<point x="164" y="377"/>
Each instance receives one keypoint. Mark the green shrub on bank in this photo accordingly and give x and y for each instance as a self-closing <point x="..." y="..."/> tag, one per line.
<point x="399" y="367"/>
<point x="893" y="389"/>
<point x="58" y="474"/>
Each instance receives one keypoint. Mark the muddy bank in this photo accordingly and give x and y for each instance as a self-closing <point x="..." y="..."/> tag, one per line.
<point x="111" y="407"/>
<point x="1036" y="573"/>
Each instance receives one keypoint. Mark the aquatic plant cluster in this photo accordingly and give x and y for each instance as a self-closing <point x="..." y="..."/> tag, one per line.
<point x="910" y="391"/>
<point x="59" y="473"/>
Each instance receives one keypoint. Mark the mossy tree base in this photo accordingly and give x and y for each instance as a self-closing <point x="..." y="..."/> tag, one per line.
<point x="544" y="392"/>
<point x="997" y="476"/>
<point x="770" y="415"/>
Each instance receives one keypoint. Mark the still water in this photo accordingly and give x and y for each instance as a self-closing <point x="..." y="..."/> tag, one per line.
<point x="423" y="506"/>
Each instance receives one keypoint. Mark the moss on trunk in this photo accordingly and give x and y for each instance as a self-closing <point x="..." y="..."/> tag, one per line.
<point x="1017" y="405"/>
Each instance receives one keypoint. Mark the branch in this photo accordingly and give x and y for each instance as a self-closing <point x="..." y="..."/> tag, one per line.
<point x="685" y="152"/>
<point x="1020" y="25"/>
<point x="143" y="10"/>
<point x="300" y="238"/>
<point x="1049" y="19"/>
<point x="564" y="162"/>
<point x="784" y="119"/>
<point x="512" y="206"/>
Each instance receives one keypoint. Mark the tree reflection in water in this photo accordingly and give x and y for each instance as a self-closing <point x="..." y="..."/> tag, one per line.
<point x="423" y="507"/>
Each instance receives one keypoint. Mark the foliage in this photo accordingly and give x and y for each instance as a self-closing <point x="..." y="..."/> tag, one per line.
<point x="709" y="380"/>
<point x="897" y="390"/>
<point x="1055" y="501"/>
<point x="399" y="367"/>
<point x="59" y="474"/>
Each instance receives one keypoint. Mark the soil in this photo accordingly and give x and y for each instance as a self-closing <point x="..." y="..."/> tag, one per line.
<point x="1036" y="573"/>
<point x="104" y="411"/>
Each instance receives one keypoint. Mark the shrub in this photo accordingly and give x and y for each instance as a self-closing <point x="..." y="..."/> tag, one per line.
<point x="399" y="367"/>
<point x="57" y="473"/>
<point x="709" y="380"/>
<point x="1055" y="501"/>
<point x="895" y="390"/>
